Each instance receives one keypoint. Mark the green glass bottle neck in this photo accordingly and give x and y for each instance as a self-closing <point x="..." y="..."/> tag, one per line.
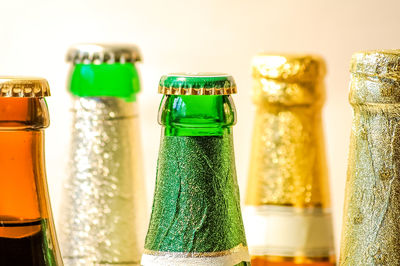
<point x="197" y="115"/>
<point x="105" y="80"/>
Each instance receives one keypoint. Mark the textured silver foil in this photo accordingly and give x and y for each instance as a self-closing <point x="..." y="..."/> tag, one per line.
<point x="103" y="219"/>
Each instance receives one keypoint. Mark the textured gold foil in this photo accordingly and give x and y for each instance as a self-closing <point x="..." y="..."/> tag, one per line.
<point x="288" y="67"/>
<point x="287" y="164"/>
<point x="371" y="226"/>
<point x="24" y="87"/>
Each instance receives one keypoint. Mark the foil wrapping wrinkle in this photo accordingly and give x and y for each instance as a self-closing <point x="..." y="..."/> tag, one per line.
<point x="371" y="230"/>
<point x="288" y="165"/>
<point x="196" y="208"/>
<point x="102" y="215"/>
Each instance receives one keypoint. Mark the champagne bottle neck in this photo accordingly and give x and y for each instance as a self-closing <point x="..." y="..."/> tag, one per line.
<point x="105" y="174"/>
<point x="370" y="224"/>
<point x="287" y="166"/>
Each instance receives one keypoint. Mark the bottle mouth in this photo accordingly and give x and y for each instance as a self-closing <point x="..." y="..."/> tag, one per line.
<point x="376" y="63"/>
<point x="293" y="68"/>
<point x="373" y="91"/>
<point x="375" y="77"/>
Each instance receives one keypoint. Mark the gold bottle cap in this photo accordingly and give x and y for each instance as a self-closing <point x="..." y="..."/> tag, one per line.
<point x="197" y="84"/>
<point x="103" y="53"/>
<point x="288" y="67"/>
<point x="29" y="87"/>
<point x="288" y="79"/>
<point x="375" y="77"/>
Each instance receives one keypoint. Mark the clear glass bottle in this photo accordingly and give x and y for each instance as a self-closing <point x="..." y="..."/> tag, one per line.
<point x="196" y="218"/>
<point x="102" y="218"/>
<point x="287" y="214"/>
<point x="27" y="234"/>
<point x="371" y="228"/>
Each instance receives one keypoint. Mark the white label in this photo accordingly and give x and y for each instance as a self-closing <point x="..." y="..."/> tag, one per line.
<point x="232" y="257"/>
<point x="288" y="231"/>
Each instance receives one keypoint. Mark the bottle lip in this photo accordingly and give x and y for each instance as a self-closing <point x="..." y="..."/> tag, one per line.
<point x="377" y="63"/>
<point x="288" y="67"/>
<point x="100" y="53"/>
<point x="202" y="83"/>
<point x="273" y="92"/>
<point x="29" y="87"/>
<point x="375" y="77"/>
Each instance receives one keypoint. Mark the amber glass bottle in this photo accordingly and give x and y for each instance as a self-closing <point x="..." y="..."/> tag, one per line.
<point x="27" y="235"/>
<point x="287" y="216"/>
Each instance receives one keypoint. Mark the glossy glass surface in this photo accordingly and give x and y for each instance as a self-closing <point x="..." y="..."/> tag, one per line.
<point x="210" y="115"/>
<point x="27" y="234"/>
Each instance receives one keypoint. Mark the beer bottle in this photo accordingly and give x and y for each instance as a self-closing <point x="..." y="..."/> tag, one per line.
<point x="196" y="218"/>
<point x="371" y="228"/>
<point x="287" y="213"/>
<point x="27" y="234"/>
<point x="103" y="213"/>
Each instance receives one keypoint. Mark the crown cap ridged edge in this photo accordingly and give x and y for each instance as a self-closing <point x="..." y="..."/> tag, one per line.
<point x="197" y="84"/>
<point x="103" y="53"/>
<point x="28" y="87"/>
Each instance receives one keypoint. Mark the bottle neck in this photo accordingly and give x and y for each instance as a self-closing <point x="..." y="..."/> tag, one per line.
<point x="267" y="92"/>
<point x="105" y="80"/>
<point x="372" y="185"/>
<point x="288" y="166"/>
<point x="23" y="189"/>
<point x="196" y="183"/>
<point x="195" y="115"/>
<point x="88" y="109"/>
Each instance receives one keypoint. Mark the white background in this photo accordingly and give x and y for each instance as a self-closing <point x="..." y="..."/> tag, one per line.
<point x="207" y="35"/>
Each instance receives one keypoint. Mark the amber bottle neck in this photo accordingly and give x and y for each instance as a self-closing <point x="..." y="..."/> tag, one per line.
<point x="22" y="175"/>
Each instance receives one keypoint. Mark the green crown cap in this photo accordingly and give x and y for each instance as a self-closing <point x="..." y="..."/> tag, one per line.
<point x="104" y="70"/>
<point x="197" y="84"/>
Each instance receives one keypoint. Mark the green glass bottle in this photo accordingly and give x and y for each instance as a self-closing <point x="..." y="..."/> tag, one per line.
<point x="102" y="217"/>
<point x="196" y="217"/>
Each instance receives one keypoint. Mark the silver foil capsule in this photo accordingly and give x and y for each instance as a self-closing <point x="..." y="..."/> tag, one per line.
<point x="103" y="218"/>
